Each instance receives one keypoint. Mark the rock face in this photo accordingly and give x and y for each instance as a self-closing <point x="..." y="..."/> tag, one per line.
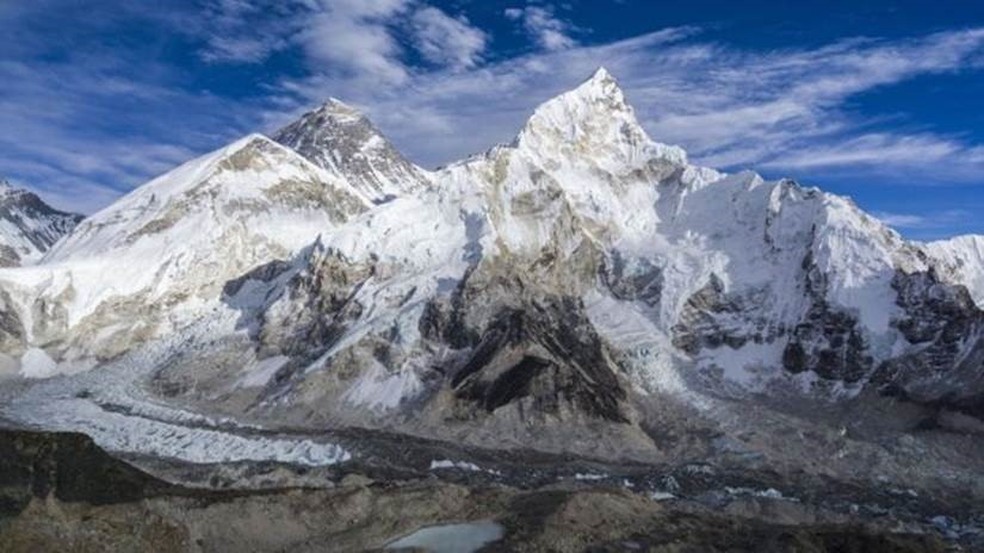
<point x="559" y="292"/>
<point x="960" y="261"/>
<point x="28" y="226"/>
<point x="341" y="140"/>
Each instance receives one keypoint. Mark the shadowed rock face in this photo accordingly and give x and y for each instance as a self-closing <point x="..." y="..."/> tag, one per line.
<point x="704" y="322"/>
<point x="948" y="368"/>
<point x="642" y="281"/>
<point x="549" y="353"/>
<point x="69" y="467"/>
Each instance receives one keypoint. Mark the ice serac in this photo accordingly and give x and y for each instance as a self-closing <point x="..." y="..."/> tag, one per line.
<point x="154" y="260"/>
<point x="340" y="139"/>
<point x="29" y="226"/>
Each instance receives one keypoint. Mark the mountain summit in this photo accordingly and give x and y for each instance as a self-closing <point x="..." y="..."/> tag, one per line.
<point x="339" y="139"/>
<point x="594" y="122"/>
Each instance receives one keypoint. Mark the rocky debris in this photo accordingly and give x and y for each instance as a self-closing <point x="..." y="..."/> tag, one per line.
<point x="60" y="492"/>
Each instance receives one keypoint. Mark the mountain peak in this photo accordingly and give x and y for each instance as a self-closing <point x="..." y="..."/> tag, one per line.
<point x="601" y="83"/>
<point x="593" y="120"/>
<point x="339" y="110"/>
<point x="602" y="74"/>
<point x="339" y="138"/>
<point x="600" y="87"/>
<point x="6" y="189"/>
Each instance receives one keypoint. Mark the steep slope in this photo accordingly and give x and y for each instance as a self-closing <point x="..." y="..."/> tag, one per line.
<point x="338" y="138"/>
<point x="159" y="257"/>
<point x="28" y="226"/>
<point x="960" y="261"/>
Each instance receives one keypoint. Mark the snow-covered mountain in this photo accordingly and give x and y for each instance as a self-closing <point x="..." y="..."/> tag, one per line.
<point x="28" y="226"/>
<point x="549" y="293"/>
<point x="159" y="257"/>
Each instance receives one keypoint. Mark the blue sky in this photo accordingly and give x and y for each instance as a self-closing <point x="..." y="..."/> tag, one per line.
<point x="881" y="101"/>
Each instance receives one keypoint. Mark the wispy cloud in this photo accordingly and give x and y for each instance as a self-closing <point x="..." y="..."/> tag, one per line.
<point x="240" y="31"/>
<point x="447" y="41"/>
<point x="352" y="39"/>
<point x="782" y="110"/>
<point x="101" y="121"/>
<point x="932" y="224"/>
<point x="542" y="24"/>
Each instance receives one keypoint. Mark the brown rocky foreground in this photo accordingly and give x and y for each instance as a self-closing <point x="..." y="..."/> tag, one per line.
<point x="60" y="492"/>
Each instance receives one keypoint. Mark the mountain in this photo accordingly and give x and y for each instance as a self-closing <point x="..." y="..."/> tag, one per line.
<point x="158" y="257"/>
<point x="538" y="286"/>
<point x="339" y="139"/>
<point x="582" y="290"/>
<point x="28" y="226"/>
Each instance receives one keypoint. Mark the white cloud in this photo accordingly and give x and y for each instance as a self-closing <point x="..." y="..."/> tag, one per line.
<point x="924" y="221"/>
<point x="447" y="41"/>
<point x="353" y="38"/>
<point x="783" y="111"/>
<point x="876" y="149"/>
<point x="240" y="31"/>
<point x="97" y="123"/>
<point x="543" y="25"/>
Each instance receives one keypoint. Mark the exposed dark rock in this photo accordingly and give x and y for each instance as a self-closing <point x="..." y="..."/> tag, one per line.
<point x="11" y="327"/>
<point x="549" y="352"/>
<point x="947" y="370"/>
<point x="34" y="220"/>
<point x="444" y="321"/>
<point x="69" y="467"/>
<point x="827" y="341"/>
<point x="711" y="318"/>
<point x="338" y="138"/>
<point x="642" y="281"/>
<point x="264" y="273"/>
<point x="323" y="301"/>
